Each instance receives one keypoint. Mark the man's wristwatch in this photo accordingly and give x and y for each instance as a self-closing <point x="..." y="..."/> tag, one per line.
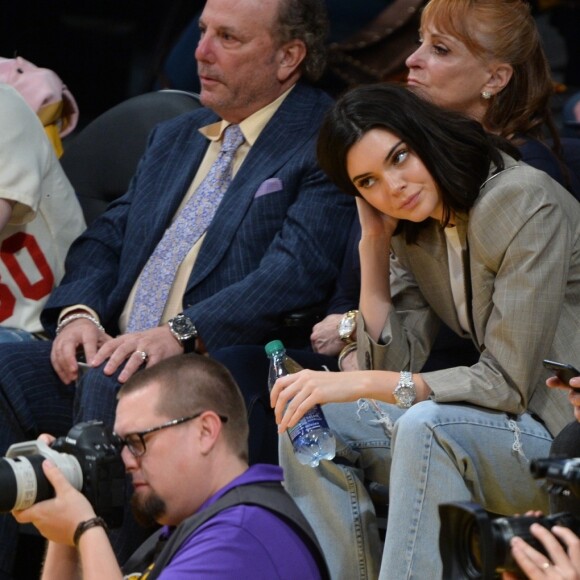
<point x="405" y="393"/>
<point x="184" y="331"/>
<point x="347" y="326"/>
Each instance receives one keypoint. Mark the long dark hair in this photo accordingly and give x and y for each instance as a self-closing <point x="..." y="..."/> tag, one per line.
<point x="455" y="149"/>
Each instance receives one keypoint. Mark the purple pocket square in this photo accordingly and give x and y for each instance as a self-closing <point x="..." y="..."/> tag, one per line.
<point x="269" y="186"/>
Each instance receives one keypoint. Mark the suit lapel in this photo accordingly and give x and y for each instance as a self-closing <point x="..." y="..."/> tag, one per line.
<point x="172" y="169"/>
<point x="293" y="123"/>
<point x="462" y="223"/>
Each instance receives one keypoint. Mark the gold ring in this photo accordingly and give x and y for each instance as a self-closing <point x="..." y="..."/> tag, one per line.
<point x="144" y="356"/>
<point x="546" y="565"/>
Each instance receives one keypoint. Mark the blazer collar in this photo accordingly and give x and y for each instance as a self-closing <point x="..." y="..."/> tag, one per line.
<point x="433" y="278"/>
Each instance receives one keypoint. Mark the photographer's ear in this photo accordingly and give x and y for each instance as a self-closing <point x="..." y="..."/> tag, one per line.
<point x="209" y="429"/>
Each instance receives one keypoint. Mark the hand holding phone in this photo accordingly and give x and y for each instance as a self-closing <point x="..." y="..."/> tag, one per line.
<point x="81" y="360"/>
<point x="563" y="371"/>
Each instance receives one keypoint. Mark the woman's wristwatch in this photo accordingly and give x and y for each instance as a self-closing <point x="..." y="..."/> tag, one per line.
<point x="405" y="392"/>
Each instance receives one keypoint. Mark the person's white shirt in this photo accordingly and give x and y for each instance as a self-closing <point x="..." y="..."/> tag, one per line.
<point x="45" y="216"/>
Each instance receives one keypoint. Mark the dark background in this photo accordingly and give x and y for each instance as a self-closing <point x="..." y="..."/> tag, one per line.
<point x="103" y="50"/>
<point x="109" y="50"/>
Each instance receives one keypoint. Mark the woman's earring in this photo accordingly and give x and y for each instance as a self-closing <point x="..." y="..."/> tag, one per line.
<point x="486" y="95"/>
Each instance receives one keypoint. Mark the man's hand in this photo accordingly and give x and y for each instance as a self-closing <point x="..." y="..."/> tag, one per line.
<point x="57" y="519"/>
<point x="78" y="334"/>
<point x="324" y="337"/>
<point x="157" y="343"/>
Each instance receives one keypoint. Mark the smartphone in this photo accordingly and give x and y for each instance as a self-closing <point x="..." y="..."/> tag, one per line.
<point x="81" y="360"/>
<point x="563" y="371"/>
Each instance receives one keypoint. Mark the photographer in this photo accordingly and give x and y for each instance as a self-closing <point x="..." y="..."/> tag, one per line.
<point x="183" y="429"/>
<point x="563" y="562"/>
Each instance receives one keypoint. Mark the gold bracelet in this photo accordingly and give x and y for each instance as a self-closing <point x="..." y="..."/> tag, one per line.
<point x="344" y="352"/>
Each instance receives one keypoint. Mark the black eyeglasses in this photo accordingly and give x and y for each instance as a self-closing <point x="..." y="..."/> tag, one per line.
<point x="135" y="442"/>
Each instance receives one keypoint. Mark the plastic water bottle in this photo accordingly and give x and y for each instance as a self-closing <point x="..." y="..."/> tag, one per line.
<point x="311" y="437"/>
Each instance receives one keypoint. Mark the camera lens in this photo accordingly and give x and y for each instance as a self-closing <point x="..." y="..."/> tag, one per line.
<point x="474" y="548"/>
<point x="22" y="482"/>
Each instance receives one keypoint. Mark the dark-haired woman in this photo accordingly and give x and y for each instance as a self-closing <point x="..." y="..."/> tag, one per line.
<point x="491" y="247"/>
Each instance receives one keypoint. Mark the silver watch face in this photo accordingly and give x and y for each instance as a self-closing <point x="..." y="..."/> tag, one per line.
<point x="183" y="327"/>
<point x="405" y="396"/>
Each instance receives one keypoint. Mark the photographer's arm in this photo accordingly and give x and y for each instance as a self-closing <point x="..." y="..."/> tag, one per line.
<point x="94" y="559"/>
<point x="57" y="519"/>
<point x="61" y="562"/>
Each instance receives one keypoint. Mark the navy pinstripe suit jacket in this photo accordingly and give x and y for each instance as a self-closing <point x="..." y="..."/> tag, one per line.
<point x="274" y="246"/>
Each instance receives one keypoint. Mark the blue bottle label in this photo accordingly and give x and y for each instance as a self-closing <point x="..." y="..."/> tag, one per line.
<point x="313" y="420"/>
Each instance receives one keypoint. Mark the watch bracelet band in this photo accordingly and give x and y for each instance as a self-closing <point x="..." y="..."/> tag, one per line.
<point x="87" y="525"/>
<point x="189" y="345"/>
<point x="406" y="378"/>
<point x="405" y="381"/>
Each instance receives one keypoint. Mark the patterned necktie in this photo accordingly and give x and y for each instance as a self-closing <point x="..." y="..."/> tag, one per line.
<point x="189" y="225"/>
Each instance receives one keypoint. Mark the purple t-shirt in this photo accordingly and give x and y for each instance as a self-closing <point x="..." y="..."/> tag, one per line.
<point x="243" y="542"/>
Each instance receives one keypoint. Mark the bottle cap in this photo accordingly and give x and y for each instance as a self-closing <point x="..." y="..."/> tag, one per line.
<point x="274" y="346"/>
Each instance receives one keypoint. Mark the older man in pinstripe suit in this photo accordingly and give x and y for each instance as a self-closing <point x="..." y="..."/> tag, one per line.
<point x="273" y="246"/>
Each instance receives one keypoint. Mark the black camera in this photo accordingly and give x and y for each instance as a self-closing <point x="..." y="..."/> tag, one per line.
<point x="90" y="458"/>
<point x="475" y="543"/>
<point x="562" y="475"/>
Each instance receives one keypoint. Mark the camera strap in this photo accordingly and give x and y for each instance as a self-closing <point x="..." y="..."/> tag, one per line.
<point x="156" y="552"/>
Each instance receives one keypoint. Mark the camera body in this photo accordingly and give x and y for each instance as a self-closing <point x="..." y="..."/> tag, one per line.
<point x="90" y="458"/>
<point x="562" y="475"/>
<point x="475" y="543"/>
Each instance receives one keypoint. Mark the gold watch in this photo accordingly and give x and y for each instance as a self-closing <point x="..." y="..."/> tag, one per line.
<point x="347" y="326"/>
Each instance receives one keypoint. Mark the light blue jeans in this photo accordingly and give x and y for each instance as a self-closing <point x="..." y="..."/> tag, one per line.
<point x="15" y="335"/>
<point x="437" y="453"/>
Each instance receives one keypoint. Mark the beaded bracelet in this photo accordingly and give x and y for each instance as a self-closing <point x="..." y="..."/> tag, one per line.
<point x="68" y="319"/>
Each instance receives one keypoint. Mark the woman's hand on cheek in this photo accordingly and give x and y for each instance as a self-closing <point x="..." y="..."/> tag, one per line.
<point x="373" y="222"/>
